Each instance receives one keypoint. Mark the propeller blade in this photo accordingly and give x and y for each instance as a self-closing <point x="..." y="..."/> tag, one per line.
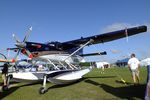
<point x="16" y="39"/>
<point x="27" y="35"/>
<point x="29" y="54"/>
<point x="15" y="58"/>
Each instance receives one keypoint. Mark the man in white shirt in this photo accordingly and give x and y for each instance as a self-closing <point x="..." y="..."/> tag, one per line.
<point x="134" y="65"/>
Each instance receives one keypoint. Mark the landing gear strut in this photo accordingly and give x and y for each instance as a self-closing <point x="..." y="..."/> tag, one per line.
<point x="43" y="89"/>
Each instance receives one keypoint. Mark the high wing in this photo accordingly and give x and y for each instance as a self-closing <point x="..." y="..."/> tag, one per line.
<point x="106" y="37"/>
<point x="28" y="48"/>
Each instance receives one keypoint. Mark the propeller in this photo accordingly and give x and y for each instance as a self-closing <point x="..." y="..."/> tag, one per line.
<point x="27" y="35"/>
<point x="22" y="45"/>
<point x="17" y="40"/>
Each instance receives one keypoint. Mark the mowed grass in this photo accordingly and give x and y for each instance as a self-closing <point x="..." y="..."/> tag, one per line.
<point x="94" y="86"/>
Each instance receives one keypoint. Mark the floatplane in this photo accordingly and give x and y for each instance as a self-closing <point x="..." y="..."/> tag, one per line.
<point x="59" y="62"/>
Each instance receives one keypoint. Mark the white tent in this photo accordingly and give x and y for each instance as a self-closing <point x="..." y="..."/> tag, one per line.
<point x="145" y="62"/>
<point x="102" y="64"/>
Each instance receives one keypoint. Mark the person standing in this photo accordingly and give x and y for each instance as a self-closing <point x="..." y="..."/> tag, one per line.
<point x="4" y="73"/>
<point x="134" y="65"/>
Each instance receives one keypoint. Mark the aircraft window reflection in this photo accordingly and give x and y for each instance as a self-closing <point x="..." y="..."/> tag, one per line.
<point x="23" y="65"/>
<point x="40" y="65"/>
<point x="26" y="66"/>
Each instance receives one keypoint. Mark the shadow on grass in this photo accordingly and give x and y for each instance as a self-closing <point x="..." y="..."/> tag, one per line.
<point x="82" y="79"/>
<point x="100" y="77"/>
<point x="8" y="92"/>
<point x="12" y="89"/>
<point x="128" y="92"/>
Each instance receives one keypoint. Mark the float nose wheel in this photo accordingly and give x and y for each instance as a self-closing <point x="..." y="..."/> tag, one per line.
<point x="43" y="89"/>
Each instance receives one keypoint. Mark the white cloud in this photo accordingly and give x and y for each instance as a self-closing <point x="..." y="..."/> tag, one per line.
<point x="148" y="27"/>
<point x="115" y="51"/>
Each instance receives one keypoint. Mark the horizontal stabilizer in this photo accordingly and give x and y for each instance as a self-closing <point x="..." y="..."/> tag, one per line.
<point x="94" y="54"/>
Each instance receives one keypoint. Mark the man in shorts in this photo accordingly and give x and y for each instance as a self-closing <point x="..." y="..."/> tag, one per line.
<point x="134" y="65"/>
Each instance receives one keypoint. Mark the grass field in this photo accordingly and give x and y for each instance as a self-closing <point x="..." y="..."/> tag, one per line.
<point x="94" y="86"/>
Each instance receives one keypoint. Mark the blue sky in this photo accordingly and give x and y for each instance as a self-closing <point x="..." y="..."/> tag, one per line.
<point x="64" y="20"/>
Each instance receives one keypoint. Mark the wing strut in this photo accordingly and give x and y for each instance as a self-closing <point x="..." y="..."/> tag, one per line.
<point x="90" y="41"/>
